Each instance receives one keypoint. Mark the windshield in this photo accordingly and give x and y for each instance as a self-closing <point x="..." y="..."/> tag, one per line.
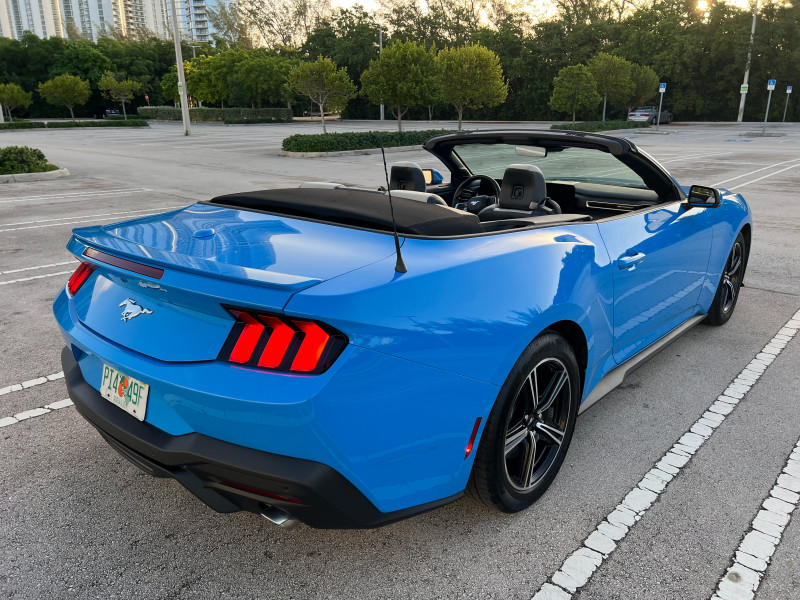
<point x="566" y="164"/>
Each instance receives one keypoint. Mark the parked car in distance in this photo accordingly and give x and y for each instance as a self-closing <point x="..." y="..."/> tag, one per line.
<point x="649" y="114"/>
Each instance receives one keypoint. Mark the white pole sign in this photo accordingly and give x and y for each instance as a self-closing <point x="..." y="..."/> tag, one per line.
<point x="744" y="88"/>
<point x="771" y="85"/>
<point x="662" y="87"/>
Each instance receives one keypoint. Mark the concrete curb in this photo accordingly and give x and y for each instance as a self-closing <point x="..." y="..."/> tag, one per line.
<point x="348" y="152"/>
<point x="20" y="177"/>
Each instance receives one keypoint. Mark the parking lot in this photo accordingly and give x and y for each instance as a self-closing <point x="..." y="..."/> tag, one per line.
<point x="79" y="521"/>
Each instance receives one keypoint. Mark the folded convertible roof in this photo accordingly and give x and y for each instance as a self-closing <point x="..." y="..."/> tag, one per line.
<point x="360" y="208"/>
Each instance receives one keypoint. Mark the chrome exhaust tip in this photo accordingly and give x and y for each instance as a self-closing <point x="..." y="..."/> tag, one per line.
<point x="279" y="517"/>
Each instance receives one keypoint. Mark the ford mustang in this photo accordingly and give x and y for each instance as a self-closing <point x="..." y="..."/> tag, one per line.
<point x="348" y="357"/>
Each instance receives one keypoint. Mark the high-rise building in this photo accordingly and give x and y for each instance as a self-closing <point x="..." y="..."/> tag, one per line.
<point x="42" y="17"/>
<point x="194" y="19"/>
<point x="91" y="18"/>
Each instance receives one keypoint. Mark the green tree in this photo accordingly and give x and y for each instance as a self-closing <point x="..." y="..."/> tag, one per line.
<point x="263" y="78"/>
<point x="65" y="90"/>
<point x="12" y="96"/>
<point x="120" y="91"/>
<point x="574" y="89"/>
<point x="81" y="58"/>
<point x="405" y="75"/>
<point x="323" y="83"/>
<point x="644" y="85"/>
<point x="613" y="77"/>
<point x="471" y="77"/>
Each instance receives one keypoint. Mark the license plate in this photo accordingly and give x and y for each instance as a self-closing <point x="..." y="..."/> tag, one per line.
<point x="126" y="392"/>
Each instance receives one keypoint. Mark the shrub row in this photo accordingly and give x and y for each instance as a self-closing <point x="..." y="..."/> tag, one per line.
<point x="601" y="125"/>
<point x="22" y="125"/>
<point x="172" y="113"/>
<point x="62" y="124"/>
<point x="22" y="159"/>
<point x="362" y="140"/>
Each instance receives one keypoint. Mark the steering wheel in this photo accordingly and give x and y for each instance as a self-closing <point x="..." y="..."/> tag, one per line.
<point x="549" y="206"/>
<point x="461" y="195"/>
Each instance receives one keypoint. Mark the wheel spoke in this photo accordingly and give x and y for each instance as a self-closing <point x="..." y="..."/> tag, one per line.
<point x="552" y="433"/>
<point x="735" y="262"/>
<point x="553" y="389"/>
<point x="728" y="294"/>
<point x="533" y="387"/>
<point x="529" y="464"/>
<point x="515" y="436"/>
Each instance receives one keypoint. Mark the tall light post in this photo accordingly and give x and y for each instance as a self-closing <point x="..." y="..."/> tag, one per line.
<point x="380" y="53"/>
<point x="749" y="59"/>
<point x="176" y="37"/>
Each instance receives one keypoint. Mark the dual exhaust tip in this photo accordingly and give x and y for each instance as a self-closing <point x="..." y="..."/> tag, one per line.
<point x="278" y="516"/>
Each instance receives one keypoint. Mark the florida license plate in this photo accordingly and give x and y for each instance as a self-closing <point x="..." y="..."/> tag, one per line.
<point x="126" y="392"/>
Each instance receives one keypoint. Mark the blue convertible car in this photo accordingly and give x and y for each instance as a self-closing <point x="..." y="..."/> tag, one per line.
<point x="274" y="352"/>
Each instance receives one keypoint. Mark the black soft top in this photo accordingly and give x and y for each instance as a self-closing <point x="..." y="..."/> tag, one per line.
<point x="361" y="208"/>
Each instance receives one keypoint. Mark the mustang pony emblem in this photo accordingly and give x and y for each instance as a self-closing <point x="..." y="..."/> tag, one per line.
<point x="133" y="310"/>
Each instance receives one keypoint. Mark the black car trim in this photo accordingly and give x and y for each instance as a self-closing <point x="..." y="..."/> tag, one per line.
<point x="202" y="464"/>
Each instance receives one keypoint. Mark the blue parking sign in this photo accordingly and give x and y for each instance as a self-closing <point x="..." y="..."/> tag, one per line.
<point x="662" y="86"/>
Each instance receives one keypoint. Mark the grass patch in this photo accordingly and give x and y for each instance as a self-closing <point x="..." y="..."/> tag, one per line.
<point x="601" y="125"/>
<point x="22" y="159"/>
<point x="359" y="140"/>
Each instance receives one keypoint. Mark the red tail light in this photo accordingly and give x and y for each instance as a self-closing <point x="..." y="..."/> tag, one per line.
<point x="281" y="343"/>
<point x="79" y="277"/>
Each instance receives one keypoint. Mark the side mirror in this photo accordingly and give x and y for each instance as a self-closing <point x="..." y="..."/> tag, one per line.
<point x="703" y="197"/>
<point x="432" y="176"/>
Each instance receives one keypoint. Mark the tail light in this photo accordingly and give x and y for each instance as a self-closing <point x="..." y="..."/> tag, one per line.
<point x="281" y="343"/>
<point x="79" y="277"/>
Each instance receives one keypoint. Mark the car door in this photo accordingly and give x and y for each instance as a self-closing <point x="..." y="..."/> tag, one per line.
<point x="659" y="262"/>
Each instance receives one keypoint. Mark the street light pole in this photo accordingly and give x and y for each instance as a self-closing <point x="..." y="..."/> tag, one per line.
<point x="176" y="37"/>
<point x="380" y="53"/>
<point x="749" y="59"/>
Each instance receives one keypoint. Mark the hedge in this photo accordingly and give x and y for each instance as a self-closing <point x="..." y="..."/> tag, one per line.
<point x="98" y="123"/>
<point x="601" y="125"/>
<point x="22" y="159"/>
<point x="362" y="140"/>
<point x="23" y="125"/>
<point x="172" y="113"/>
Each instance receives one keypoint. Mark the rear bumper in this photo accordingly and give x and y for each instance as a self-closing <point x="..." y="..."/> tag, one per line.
<point x="228" y="477"/>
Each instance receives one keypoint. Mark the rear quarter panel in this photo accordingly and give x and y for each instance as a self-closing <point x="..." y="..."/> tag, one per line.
<point x="471" y="306"/>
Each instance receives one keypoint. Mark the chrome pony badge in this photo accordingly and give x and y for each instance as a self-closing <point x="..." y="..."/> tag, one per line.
<point x="133" y="310"/>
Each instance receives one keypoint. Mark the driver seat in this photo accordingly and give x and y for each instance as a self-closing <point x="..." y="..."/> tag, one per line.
<point x="522" y="194"/>
<point x="407" y="176"/>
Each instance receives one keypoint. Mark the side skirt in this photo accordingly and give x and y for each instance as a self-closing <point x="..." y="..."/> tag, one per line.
<point x="618" y="375"/>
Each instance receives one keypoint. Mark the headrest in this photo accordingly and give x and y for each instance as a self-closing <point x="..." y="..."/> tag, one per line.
<point x="523" y="187"/>
<point x="407" y="176"/>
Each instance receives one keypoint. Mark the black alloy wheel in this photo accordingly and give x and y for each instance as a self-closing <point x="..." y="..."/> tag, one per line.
<point x="729" y="286"/>
<point x="529" y="428"/>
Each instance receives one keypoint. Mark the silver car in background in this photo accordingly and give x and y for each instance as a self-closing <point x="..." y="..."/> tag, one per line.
<point x="649" y="114"/>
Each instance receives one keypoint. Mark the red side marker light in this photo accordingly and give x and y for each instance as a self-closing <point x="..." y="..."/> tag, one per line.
<point x="472" y="437"/>
<point x="79" y="277"/>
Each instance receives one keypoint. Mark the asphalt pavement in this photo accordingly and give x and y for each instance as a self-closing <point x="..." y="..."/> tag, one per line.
<point x="78" y="521"/>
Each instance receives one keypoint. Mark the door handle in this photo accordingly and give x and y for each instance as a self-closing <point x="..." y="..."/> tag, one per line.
<point x="629" y="261"/>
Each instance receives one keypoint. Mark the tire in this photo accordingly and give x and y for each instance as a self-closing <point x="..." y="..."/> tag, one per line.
<point x="729" y="285"/>
<point x="522" y="447"/>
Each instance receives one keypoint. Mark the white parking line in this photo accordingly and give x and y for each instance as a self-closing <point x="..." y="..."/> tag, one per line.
<point x="753" y="555"/>
<point x="76" y="195"/>
<point x="31" y="383"/>
<point x="32" y="277"/>
<point x="35" y="412"/>
<point x="111" y="214"/>
<point x="82" y="220"/>
<point x="58" y="264"/>
<point x="578" y="568"/>
<point x="756" y="171"/>
<point x="741" y="185"/>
